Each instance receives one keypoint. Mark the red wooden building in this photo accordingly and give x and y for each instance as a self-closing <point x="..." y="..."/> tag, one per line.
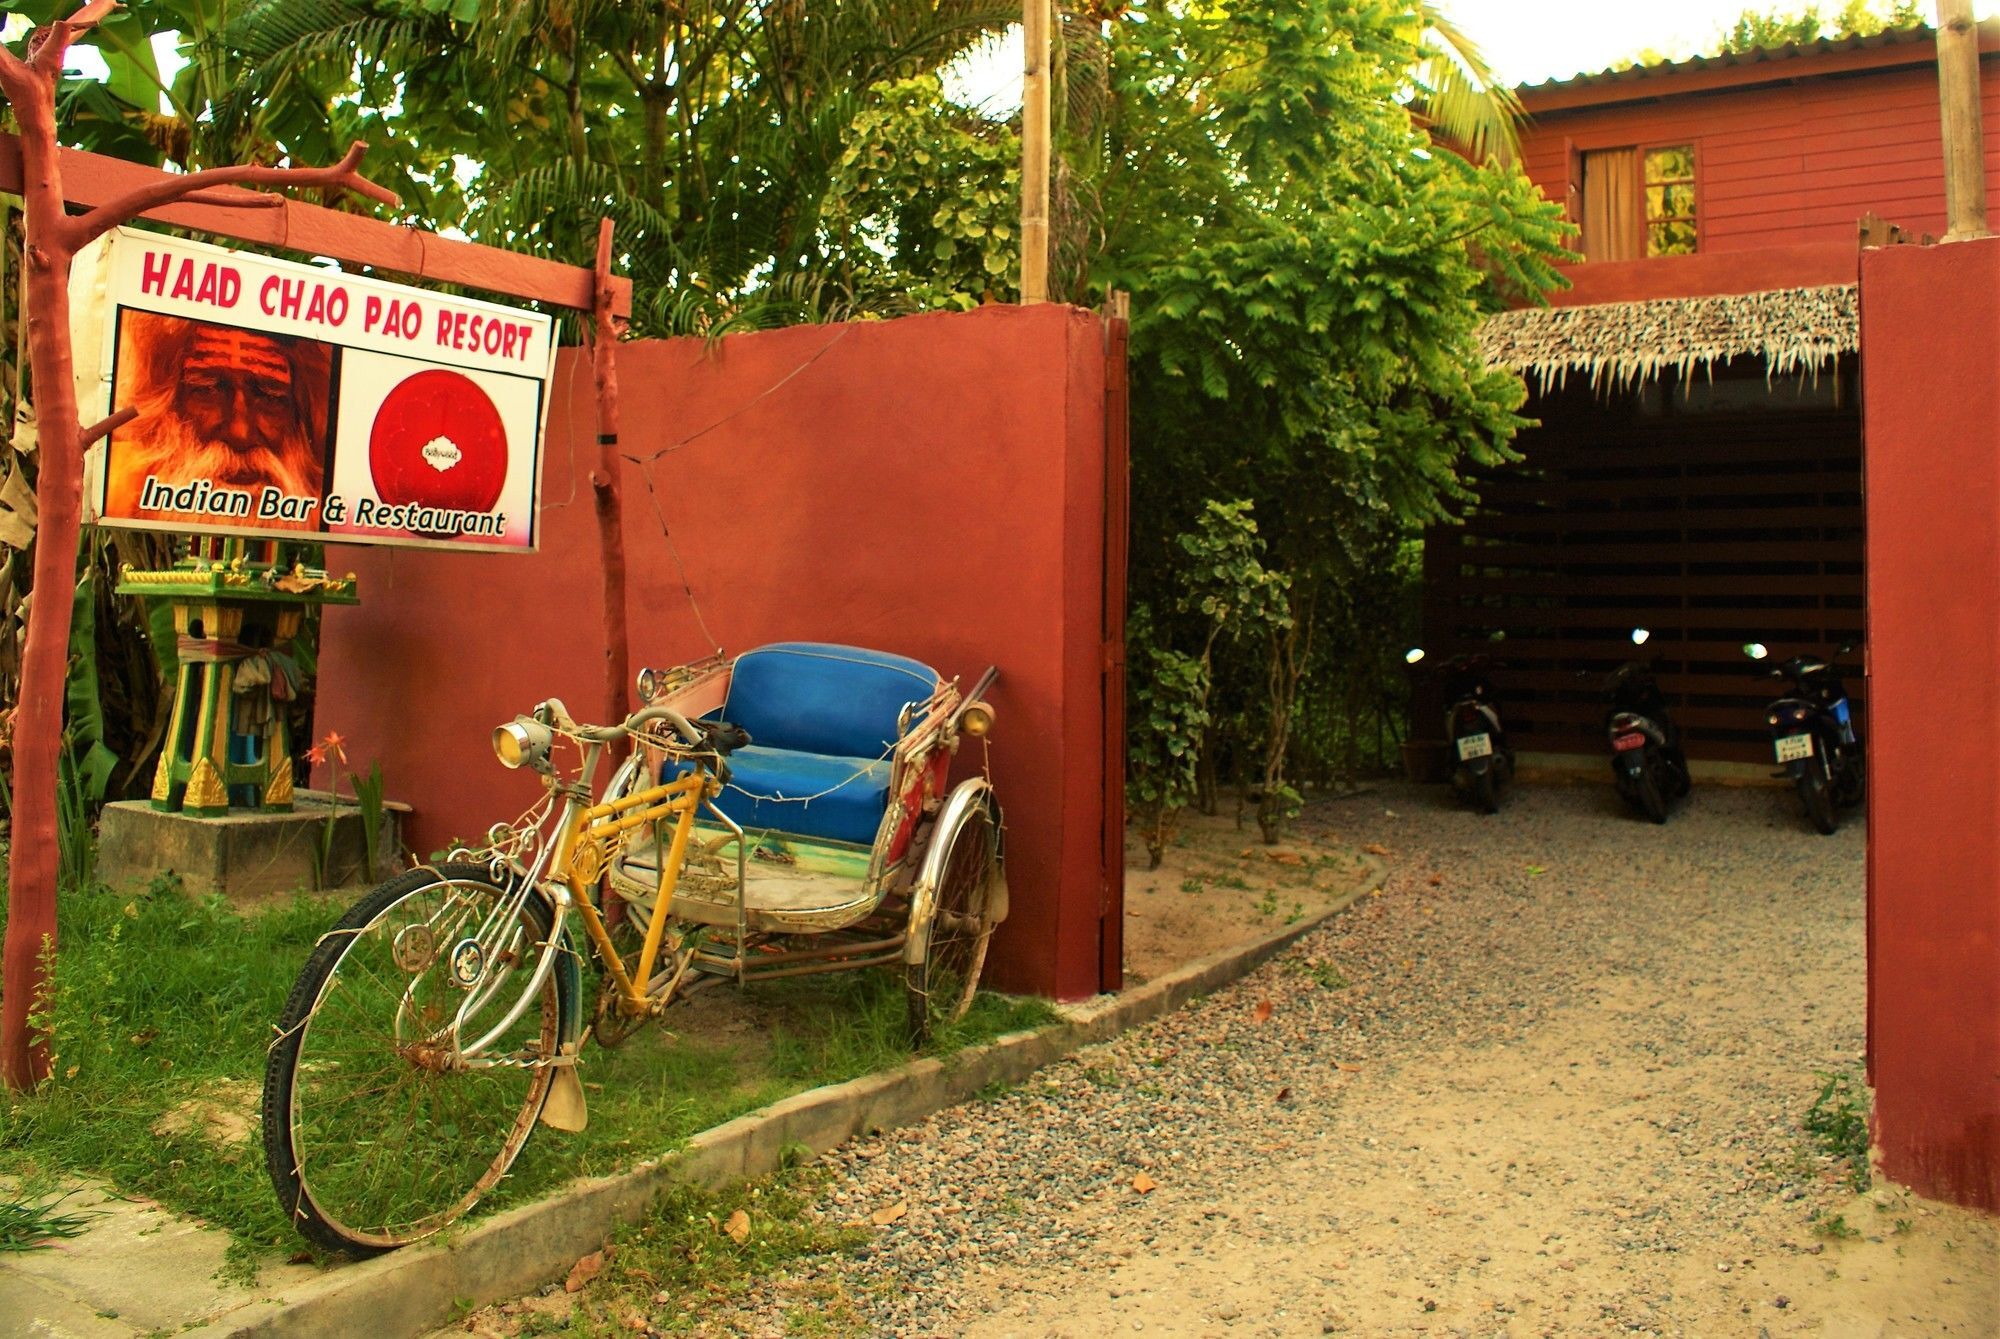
<point x="1698" y="464"/>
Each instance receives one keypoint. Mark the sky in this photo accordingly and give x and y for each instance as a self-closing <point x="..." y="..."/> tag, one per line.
<point x="1526" y="41"/>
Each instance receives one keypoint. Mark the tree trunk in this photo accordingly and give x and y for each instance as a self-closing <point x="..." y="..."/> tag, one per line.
<point x="32" y="858"/>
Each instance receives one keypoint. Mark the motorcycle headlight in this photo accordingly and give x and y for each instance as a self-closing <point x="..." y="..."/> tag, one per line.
<point x="523" y="743"/>
<point x="976" y="719"/>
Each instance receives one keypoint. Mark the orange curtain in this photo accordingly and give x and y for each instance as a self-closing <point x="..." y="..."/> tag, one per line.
<point x="1611" y="205"/>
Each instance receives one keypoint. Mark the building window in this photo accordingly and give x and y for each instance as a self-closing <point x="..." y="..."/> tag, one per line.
<point x="1638" y="203"/>
<point x="1670" y="226"/>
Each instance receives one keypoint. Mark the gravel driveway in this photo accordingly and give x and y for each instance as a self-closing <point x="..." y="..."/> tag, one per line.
<point x="1549" y="1081"/>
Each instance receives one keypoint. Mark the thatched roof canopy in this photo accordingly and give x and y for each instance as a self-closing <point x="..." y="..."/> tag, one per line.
<point x="1625" y="344"/>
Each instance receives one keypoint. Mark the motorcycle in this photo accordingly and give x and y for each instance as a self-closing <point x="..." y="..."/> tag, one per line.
<point x="1485" y="760"/>
<point x="1647" y="763"/>
<point x="1812" y="733"/>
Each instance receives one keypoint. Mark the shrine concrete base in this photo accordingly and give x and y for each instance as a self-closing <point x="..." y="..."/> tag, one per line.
<point x="246" y="856"/>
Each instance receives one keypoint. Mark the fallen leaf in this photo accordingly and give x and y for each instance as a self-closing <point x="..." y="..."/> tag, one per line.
<point x="1285" y="857"/>
<point x="1284" y="1094"/>
<point x="738" y="1227"/>
<point x="1437" y="880"/>
<point x="884" y="1217"/>
<point x="145" y="1036"/>
<point x="1263" y="1011"/>
<point x="1351" y="1069"/>
<point x="299" y="1258"/>
<point x="1144" y="1184"/>
<point x="1376" y="848"/>
<point x="583" y="1271"/>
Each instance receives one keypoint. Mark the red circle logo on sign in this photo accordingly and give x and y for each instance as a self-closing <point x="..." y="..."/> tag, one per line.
<point x="438" y="441"/>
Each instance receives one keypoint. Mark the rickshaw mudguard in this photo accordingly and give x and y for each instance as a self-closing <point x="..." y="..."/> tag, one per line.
<point x="923" y="897"/>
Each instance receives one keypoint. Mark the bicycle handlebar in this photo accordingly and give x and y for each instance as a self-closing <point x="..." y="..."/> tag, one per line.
<point x="560" y="718"/>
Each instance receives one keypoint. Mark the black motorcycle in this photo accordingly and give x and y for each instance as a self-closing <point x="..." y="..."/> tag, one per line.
<point x="1812" y="732"/>
<point x="1647" y="763"/>
<point x="1484" y="759"/>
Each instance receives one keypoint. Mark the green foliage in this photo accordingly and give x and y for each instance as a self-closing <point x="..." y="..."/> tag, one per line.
<point x="1227" y="585"/>
<point x="1308" y="279"/>
<point x="923" y="203"/>
<point x="1838" y="1124"/>
<point x="1166" y="711"/>
<point x="1761" y="29"/>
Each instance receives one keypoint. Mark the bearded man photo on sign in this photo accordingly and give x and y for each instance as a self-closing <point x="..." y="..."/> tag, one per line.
<point x="231" y="427"/>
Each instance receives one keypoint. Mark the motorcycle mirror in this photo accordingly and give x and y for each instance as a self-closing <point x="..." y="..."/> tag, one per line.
<point x="1413" y="655"/>
<point x="1499" y="636"/>
<point x="1640" y="636"/>
<point x="1756" y="650"/>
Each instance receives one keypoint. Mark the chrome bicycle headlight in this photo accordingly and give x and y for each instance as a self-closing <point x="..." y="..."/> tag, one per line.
<point x="523" y="743"/>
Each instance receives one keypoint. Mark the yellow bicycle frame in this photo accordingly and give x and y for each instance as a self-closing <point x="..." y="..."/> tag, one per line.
<point x="593" y="834"/>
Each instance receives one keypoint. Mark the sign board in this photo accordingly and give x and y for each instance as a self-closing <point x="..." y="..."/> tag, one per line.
<point x="279" y="398"/>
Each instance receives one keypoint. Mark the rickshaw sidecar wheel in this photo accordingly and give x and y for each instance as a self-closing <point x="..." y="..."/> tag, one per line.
<point x="963" y="867"/>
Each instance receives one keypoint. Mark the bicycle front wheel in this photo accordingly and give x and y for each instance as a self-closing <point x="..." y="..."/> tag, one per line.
<point x="374" y="1134"/>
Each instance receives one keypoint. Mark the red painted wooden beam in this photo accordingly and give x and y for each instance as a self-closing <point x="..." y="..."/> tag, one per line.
<point x="91" y="179"/>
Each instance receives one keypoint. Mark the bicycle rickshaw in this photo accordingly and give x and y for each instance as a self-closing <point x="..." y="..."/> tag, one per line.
<point x="782" y="813"/>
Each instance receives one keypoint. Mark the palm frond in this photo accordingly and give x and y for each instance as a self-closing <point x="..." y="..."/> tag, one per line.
<point x="1458" y="94"/>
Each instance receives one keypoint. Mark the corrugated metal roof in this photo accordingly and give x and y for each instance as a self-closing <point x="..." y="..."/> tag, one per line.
<point x="1989" y="31"/>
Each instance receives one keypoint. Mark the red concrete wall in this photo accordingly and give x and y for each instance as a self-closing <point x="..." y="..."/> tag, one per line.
<point x="932" y="486"/>
<point x="1931" y="328"/>
<point x="1787" y="164"/>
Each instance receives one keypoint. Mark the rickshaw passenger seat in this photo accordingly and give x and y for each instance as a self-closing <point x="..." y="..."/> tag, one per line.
<point x="823" y="720"/>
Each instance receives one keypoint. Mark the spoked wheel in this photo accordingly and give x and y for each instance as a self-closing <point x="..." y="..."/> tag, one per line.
<point x="373" y="1138"/>
<point x="963" y="865"/>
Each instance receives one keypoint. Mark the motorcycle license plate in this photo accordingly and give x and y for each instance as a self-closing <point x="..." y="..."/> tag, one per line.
<point x="1626" y="743"/>
<point x="1474" y="746"/>
<point x="1791" y="748"/>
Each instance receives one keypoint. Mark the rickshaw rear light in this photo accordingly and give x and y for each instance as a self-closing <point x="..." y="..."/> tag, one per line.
<point x="976" y="719"/>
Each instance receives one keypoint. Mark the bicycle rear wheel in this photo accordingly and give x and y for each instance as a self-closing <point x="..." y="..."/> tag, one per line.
<point x="372" y="1138"/>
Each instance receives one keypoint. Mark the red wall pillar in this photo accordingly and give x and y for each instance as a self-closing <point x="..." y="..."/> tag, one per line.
<point x="1931" y="395"/>
<point x="932" y="486"/>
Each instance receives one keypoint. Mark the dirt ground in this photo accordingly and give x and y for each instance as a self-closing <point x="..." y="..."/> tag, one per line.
<point x="1218" y="885"/>
<point x="1556" y="1078"/>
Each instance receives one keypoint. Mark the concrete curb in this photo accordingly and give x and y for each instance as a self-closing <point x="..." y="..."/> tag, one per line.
<point x="420" y="1288"/>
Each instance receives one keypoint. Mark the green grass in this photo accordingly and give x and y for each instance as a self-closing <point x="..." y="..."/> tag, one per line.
<point x="162" y="1001"/>
<point x="37" y="1220"/>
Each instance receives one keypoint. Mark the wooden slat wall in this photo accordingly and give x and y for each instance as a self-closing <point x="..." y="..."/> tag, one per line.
<point x="1711" y="530"/>
<point x="1787" y="164"/>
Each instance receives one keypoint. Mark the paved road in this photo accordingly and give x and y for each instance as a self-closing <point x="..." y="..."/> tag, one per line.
<point x="1550" y="1081"/>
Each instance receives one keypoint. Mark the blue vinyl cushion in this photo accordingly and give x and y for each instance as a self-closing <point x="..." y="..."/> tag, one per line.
<point x="770" y="789"/>
<point x="822" y="720"/>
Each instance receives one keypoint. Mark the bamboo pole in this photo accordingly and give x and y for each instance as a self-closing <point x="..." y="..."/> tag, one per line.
<point x="1035" y="151"/>
<point x="1964" y="148"/>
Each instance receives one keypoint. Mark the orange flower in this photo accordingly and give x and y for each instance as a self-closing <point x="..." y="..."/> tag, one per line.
<point x="333" y="745"/>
